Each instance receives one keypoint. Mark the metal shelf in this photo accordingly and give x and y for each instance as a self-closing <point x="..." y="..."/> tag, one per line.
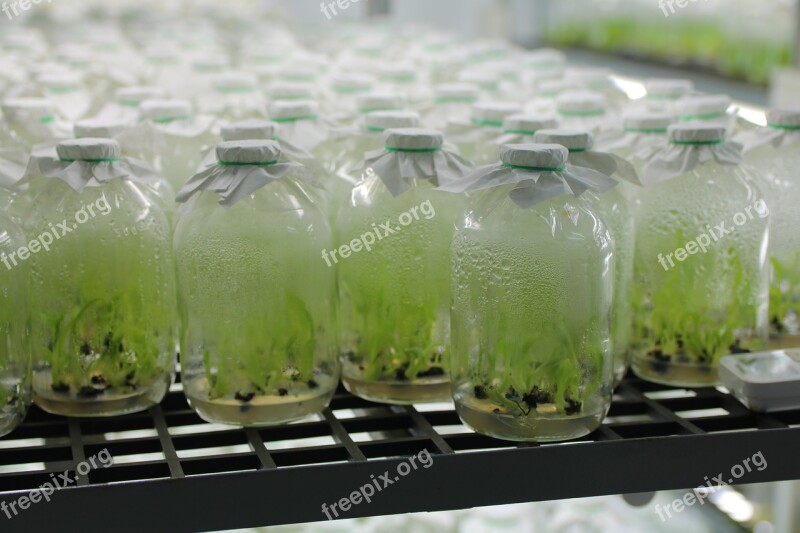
<point x="175" y="472"/>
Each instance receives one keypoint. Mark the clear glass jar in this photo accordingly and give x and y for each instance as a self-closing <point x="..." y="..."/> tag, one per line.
<point x="700" y="272"/>
<point x="103" y="307"/>
<point x="616" y="211"/>
<point x="259" y="336"/>
<point x="531" y="311"/>
<point x="175" y="141"/>
<point x="775" y="152"/>
<point x="395" y="294"/>
<point x="485" y="122"/>
<point x="15" y="360"/>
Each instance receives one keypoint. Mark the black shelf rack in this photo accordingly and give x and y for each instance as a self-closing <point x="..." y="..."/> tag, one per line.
<point x="174" y="472"/>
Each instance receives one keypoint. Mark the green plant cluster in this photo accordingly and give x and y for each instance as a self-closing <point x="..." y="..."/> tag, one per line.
<point x="784" y="291"/>
<point x="735" y="55"/>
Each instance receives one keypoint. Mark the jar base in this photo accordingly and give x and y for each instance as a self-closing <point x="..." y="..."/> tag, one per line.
<point x="480" y="416"/>
<point x="10" y="421"/>
<point x="105" y="405"/>
<point x="399" y="392"/>
<point x="675" y="374"/>
<point x="263" y="411"/>
<point x="783" y="342"/>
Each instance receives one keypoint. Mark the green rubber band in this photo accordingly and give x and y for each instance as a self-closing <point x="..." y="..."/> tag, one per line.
<point x="398" y="79"/>
<point x="62" y="89"/>
<point x="365" y="110"/>
<point x="548" y="94"/>
<point x="537" y="169"/>
<point x="375" y="129"/>
<point x="208" y="69"/>
<point x="350" y="90"/>
<point x="101" y="160"/>
<point x="129" y="103"/>
<point x="702" y="116"/>
<point x="232" y="90"/>
<point x="233" y="164"/>
<point x="520" y="132"/>
<point x="295" y="119"/>
<point x="488" y="123"/>
<point x="167" y="120"/>
<point x="646" y="130"/>
<point x="592" y="113"/>
<point x="47" y="120"/>
<point x="456" y="100"/>
<point x="577" y="150"/>
<point x="784" y="127"/>
<point x="695" y="143"/>
<point x="414" y="150"/>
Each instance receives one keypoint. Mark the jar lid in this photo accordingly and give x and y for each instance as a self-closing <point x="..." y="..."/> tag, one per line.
<point x="210" y="64"/>
<point x="384" y="120"/>
<point x="290" y="111"/>
<point x="784" y="118"/>
<point x="576" y="140"/>
<point x="648" y="122"/>
<point x="101" y="128"/>
<point x="235" y="82"/>
<point x="91" y="150"/>
<point x="545" y="58"/>
<point x="552" y="88"/>
<point x="581" y="103"/>
<point x="668" y="88"/>
<point x="457" y="92"/>
<point x="535" y="156"/>
<point x="21" y="108"/>
<point x="248" y="130"/>
<point x="590" y="77"/>
<point x="483" y="79"/>
<point x="352" y="83"/>
<point x="159" y="110"/>
<point x="251" y="152"/>
<point x="494" y="113"/>
<point x="696" y="133"/>
<point x="284" y="90"/>
<point x="528" y="124"/>
<point x="298" y="73"/>
<point x="703" y="106"/>
<point x="380" y="101"/>
<point x="394" y="73"/>
<point x="413" y="139"/>
<point x="133" y="96"/>
<point x="63" y="81"/>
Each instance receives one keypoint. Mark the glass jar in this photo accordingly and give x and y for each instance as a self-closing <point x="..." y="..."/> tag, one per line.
<point x="775" y="152"/>
<point x="531" y="304"/>
<point x="613" y="207"/>
<point x="393" y="265"/>
<point x="15" y="360"/>
<point x="700" y="276"/>
<point x="103" y="308"/>
<point x="172" y="139"/>
<point x="259" y="336"/>
<point x="485" y="122"/>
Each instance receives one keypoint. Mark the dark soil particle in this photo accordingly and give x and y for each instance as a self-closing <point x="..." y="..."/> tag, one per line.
<point x="60" y="387"/>
<point x="98" y="380"/>
<point x="433" y="371"/>
<point x="659" y="362"/>
<point x="89" y="392"/>
<point x="737" y="348"/>
<point x="480" y="392"/>
<point x="400" y="374"/>
<point x="244" y="397"/>
<point x="537" y="397"/>
<point x="312" y="384"/>
<point x="573" y="407"/>
<point x="283" y="392"/>
<point x="86" y="349"/>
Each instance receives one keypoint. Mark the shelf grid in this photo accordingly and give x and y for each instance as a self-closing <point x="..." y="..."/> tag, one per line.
<point x="169" y="453"/>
